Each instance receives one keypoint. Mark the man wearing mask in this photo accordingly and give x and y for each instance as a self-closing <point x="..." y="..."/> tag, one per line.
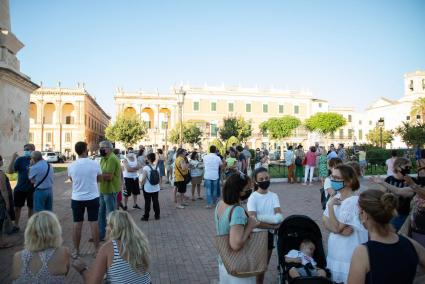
<point x="110" y="184"/>
<point x="24" y="189"/>
<point x="41" y="175"/>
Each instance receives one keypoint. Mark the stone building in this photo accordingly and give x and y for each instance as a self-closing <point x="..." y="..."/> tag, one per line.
<point x="60" y="117"/>
<point x="15" y="89"/>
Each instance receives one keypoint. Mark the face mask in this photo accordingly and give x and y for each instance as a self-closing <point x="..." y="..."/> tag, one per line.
<point x="246" y="195"/>
<point x="102" y="152"/>
<point x="264" y="184"/>
<point x="337" y="185"/>
<point x="405" y="171"/>
<point x="27" y="153"/>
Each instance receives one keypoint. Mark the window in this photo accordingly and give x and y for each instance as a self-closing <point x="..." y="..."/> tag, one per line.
<point x="360" y="134"/>
<point x="408" y="117"/>
<point x="349" y="118"/>
<point x="350" y="133"/>
<point x="31" y="137"/>
<point x="147" y="124"/>
<point x="163" y="124"/>
<point x="248" y="107"/>
<point x="214" y="129"/>
<point x="213" y="106"/>
<point x="265" y="108"/>
<point x="265" y="133"/>
<point x="411" y="85"/>
<point x="320" y="105"/>
<point x="280" y="108"/>
<point x="360" y="122"/>
<point x="68" y="137"/>
<point x="341" y="134"/>
<point x="195" y="106"/>
<point x="85" y="120"/>
<point x="231" y="107"/>
<point x="296" y="109"/>
<point x="418" y="116"/>
<point x="333" y="135"/>
<point x="49" y="137"/>
<point x="370" y="122"/>
<point x="68" y="120"/>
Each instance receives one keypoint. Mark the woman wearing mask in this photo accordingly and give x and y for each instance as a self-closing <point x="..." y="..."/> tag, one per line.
<point x="230" y="218"/>
<point x="131" y="179"/>
<point x="386" y="257"/>
<point x="264" y="205"/>
<point x="341" y="219"/>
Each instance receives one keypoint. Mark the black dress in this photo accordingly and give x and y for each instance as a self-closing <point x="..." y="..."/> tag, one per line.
<point x="391" y="263"/>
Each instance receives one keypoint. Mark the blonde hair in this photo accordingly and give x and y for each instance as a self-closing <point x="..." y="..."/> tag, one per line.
<point x="43" y="232"/>
<point x="135" y="246"/>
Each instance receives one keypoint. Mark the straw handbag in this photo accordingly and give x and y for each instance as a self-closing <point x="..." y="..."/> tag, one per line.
<point x="250" y="260"/>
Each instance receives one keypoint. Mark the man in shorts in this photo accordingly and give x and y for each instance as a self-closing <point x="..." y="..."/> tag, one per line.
<point x="24" y="189"/>
<point x="84" y="174"/>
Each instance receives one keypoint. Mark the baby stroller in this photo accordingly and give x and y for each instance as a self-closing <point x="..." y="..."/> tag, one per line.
<point x="292" y="231"/>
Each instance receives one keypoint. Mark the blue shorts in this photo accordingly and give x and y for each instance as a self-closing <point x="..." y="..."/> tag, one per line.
<point x="43" y="199"/>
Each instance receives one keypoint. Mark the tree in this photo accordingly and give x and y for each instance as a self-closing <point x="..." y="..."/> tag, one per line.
<point x="126" y="129"/>
<point x="235" y="126"/>
<point x="374" y="136"/>
<point x="232" y="140"/>
<point x="279" y="128"/>
<point x="217" y="143"/>
<point x="191" y="134"/>
<point x="412" y="135"/>
<point x="325" y="122"/>
<point x="418" y="108"/>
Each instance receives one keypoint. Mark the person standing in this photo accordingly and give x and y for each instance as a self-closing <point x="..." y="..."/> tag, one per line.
<point x="332" y="153"/>
<point x="212" y="164"/>
<point x="341" y="153"/>
<point x="390" y="163"/>
<point x="242" y="162"/>
<point x="5" y="204"/>
<point x="323" y="166"/>
<point x="289" y="162"/>
<point x="180" y="172"/>
<point x="151" y="187"/>
<point x="131" y="179"/>
<point x="161" y="164"/>
<point x="110" y="184"/>
<point x="299" y="158"/>
<point x="24" y="189"/>
<point x="41" y="175"/>
<point x="362" y="160"/>
<point x="248" y="156"/>
<point x="196" y="171"/>
<point x="84" y="174"/>
<point x="170" y="164"/>
<point x="310" y="164"/>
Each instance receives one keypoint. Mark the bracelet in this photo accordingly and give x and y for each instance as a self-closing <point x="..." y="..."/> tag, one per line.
<point x="82" y="270"/>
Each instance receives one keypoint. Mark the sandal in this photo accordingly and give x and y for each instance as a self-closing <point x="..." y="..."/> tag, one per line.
<point x="75" y="254"/>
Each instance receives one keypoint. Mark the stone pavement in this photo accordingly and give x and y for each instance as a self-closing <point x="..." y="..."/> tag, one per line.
<point x="181" y="243"/>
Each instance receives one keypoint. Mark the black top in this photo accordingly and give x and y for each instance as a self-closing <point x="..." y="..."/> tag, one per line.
<point x="403" y="202"/>
<point x="391" y="263"/>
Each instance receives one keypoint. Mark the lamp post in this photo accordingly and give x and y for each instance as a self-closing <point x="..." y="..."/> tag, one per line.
<point x="166" y="132"/>
<point x="381" y="123"/>
<point x="180" y="101"/>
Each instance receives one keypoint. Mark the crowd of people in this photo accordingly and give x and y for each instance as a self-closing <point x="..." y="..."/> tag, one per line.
<point x="375" y="236"/>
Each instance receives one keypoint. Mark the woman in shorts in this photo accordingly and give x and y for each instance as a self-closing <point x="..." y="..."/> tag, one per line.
<point x="196" y="171"/>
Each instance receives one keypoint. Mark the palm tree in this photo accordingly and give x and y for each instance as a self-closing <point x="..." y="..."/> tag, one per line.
<point x="418" y="107"/>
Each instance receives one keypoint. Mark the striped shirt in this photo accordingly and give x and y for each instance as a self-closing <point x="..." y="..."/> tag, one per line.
<point x="121" y="272"/>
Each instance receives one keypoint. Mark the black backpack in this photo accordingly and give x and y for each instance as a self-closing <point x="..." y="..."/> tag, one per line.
<point x="153" y="176"/>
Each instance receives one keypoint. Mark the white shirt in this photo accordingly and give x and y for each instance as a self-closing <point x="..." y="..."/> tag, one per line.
<point x="148" y="187"/>
<point x="263" y="204"/>
<point x="131" y="164"/>
<point x="390" y="166"/>
<point x="83" y="173"/>
<point x="305" y="259"/>
<point x="212" y="163"/>
<point x="326" y="185"/>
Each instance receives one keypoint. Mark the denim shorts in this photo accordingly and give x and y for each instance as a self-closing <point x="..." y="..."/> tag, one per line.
<point x="43" y="199"/>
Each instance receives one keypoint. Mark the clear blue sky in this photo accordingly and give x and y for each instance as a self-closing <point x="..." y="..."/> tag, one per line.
<point x="348" y="52"/>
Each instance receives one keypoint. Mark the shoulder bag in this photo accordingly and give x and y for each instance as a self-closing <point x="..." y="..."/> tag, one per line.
<point x="250" y="260"/>
<point x="186" y="178"/>
<point x="47" y="173"/>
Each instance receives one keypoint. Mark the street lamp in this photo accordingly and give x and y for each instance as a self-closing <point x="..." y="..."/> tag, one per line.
<point x="166" y="130"/>
<point x="180" y="101"/>
<point x="381" y="123"/>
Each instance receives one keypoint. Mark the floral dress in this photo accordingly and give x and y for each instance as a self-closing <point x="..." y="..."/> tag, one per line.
<point x="323" y="166"/>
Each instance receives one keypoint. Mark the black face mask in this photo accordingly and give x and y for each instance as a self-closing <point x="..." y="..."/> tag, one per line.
<point x="264" y="184"/>
<point x="102" y="152"/>
<point x="405" y="171"/>
<point x="246" y="195"/>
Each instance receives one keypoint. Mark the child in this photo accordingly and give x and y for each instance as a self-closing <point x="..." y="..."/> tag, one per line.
<point x="230" y="163"/>
<point x="304" y="256"/>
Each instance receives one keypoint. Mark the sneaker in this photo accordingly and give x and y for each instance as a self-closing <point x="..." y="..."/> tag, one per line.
<point x="185" y="204"/>
<point x="144" y="219"/>
<point x="180" y="207"/>
<point x="124" y="208"/>
<point x="136" y="207"/>
<point x="75" y="254"/>
<point x="208" y="207"/>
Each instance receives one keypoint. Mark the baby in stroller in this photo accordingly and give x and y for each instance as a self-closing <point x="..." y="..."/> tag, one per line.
<point x="303" y="258"/>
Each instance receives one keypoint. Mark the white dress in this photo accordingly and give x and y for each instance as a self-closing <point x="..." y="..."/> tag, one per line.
<point x="341" y="248"/>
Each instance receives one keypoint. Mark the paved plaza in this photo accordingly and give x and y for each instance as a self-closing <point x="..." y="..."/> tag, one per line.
<point x="181" y="243"/>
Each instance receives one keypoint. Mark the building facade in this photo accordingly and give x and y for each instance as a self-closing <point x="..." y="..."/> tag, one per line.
<point x="60" y="117"/>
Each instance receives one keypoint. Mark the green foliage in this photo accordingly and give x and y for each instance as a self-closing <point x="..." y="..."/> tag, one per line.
<point x="217" y="143"/>
<point x="325" y="122"/>
<point x="279" y="128"/>
<point x="412" y="135"/>
<point x="126" y="129"/>
<point x="374" y="136"/>
<point x="418" y="107"/>
<point x="378" y="156"/>
<point x="232" y="140"/>
<point x="192" y="134"/>
<point x="235" y="126"/>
